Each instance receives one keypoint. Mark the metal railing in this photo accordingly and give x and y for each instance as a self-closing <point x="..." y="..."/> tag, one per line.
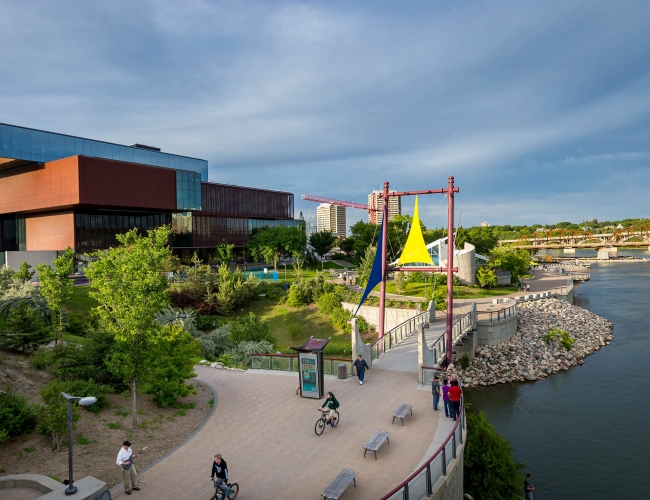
<point x="501" y="314"/>
<point x="422" y="482"/>
<point x="396" y="335"/>
<point x="459" y="329"/>
<point x="289" y="363"/>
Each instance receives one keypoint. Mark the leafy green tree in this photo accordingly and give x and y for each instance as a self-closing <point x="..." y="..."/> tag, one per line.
<point x="347" y="246"/>
<point x="52" y="414"/>
<point x="251" y="329"/>
<point x="322" y="242"/>
<point x="490" y="471"/>
<point x="272" y="243"/>
<point x="24" y="272"/>
<point x="6" y="278"/>
<point x="225" y="253"/>
<point x="364" y="235"/>
<point x="486" y="277"/>
<point x="24" y="328"/>
<point x="517" y="261"/>
<point x="400" y="282"/>
<point x="57" y="287"/>
<point x="131" y="287"/>
<point x="482" y="238"/>
<point x="174" y="353"/>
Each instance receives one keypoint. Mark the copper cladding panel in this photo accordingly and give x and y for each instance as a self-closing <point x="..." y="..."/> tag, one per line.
<point x="50" y="231"/>
<point x="52" y="184"/>
<point x="121" y="184"/>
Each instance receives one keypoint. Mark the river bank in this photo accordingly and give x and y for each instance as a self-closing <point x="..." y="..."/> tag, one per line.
<point x="530" y="355"/>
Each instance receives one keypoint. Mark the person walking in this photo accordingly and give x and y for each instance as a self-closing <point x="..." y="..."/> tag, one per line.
<point x="445" y="398"/>
<point x="435" y="390"/>
<point x="361" y="366"/>
<point x="129" y="474"/>
<point x="528" y="487"/>
<point x="527" y="288"/>
<point x="455" y="393"/>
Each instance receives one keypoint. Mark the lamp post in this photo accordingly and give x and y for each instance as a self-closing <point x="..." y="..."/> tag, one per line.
<point x="71" y="489"/>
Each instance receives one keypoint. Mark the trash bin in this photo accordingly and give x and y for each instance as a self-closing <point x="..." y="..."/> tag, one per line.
<point x="343" y="371"/>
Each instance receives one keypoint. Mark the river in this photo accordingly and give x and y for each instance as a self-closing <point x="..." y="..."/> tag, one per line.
<point x="583" y="433"/>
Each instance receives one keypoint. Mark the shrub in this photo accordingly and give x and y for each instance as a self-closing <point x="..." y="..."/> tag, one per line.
<point x="227" y="360"/>
<point x="216" y="342"/>
<point x="3" y="437"/>
<point x="77" y="324"/>
<point x="328" y="302"/>
<point x="241" y="354"/>
<point x="340" y="319"/>
<point x="562" y="336"/>
<point x="272" y="291"/>
<point x="296" y="297"/>
<point x="490" y="471"/>
<point x="251" y="329"/>
<point x="440" y="297"/>
<point x="339" y="256"/>
<point x="486" y="277"/>
<point x="464" y="362"/>
<point x="16" y="414"/>
<point x="206" y="323"/>
<point x="52" y="415"/>
<point x="24" y="327"/>
<point x="89" y="387"/>
<point x="294" y="330"/>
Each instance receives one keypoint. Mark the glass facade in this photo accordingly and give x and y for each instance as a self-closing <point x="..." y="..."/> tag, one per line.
<point x="36" y="145"/>
<point x="223" y="199"/>
<point x="188" y="190"/>
<point x="12" y="232"/>
<point x="182" y="230"/>
<point x="96" y="229"/>
<point x="254" y="224"/>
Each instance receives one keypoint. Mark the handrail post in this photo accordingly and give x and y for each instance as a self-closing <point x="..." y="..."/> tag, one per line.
<point x="405" y="495"/>
<point x="444" y="461"/>
<point x="453" y="444"/>
<point x="429" y="481"/>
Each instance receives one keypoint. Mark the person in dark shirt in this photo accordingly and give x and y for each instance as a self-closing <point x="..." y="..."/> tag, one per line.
<point x="361" y="367"/>
<point x="528" y="488"/>
<point x="331" y="403"/>
<point x="435" y="390"/>
<point x="220" y="474"/>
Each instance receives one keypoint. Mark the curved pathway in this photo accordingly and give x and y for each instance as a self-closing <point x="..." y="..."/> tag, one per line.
<point x="266" y="434"/>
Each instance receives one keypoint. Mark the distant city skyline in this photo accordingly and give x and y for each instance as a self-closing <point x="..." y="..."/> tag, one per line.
<point x="540" y="111"/>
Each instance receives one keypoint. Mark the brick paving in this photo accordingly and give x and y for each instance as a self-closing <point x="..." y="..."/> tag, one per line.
<point x="266" y="434"/>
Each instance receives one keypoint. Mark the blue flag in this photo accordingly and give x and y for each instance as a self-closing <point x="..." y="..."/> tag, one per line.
<point x="375" y="273"/>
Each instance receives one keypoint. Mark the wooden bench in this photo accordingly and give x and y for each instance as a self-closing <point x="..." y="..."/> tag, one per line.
<point x="338" y="486"/>
<point x="402" y="411"/>
<point x="375" y="442"/>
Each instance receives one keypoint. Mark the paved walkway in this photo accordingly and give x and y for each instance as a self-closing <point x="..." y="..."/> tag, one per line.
<point x="266" y="434"/>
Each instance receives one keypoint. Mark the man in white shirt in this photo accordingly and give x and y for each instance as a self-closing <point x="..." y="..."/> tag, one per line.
<point x="129" y="474"/>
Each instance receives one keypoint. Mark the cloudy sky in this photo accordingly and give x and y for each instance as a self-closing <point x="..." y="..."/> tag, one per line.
<point x="541" y="110"/>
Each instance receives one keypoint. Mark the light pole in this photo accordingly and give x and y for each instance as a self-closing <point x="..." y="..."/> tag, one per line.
<point x="71" y="489"/>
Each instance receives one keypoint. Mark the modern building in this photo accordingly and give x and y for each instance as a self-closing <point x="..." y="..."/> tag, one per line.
<point x="331" y="218"/>
<point x="59" y="191"/>
<point x="377" y="201"/>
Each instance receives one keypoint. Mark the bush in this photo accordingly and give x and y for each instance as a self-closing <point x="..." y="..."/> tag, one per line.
<point x="241" y="354"/>
<point x="328" y="302"/>
<point x="340" y="319"/>
<point x="89" y="387"/>
<point x="273" y="291"/>
<point x="486" y="277"/>
<point x="440" y="297"/>
<point x="77" y="324"/>
<point x="339" y="256"/>
<point x="52" y="415"/>
<point x="206" y="323"/>
<point x="296" y="297"/>
<point x="16" y="414"/>
<point x="490" y="471"/>
<point x="216" y="342"/>
<point x="294" y="330"/>
<point x="251" y="329"/>
<point x="562" y="336"/>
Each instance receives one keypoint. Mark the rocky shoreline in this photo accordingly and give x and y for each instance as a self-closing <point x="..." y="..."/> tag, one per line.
<point x="527" y="356"/>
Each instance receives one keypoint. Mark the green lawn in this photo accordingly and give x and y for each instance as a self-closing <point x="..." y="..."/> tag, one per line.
<point x="306" y="273"/>
<point x="81" y="302"/>
<point x="74" y="338"/>
<point x="460" y="292"/>
<point x="308" y="318"/>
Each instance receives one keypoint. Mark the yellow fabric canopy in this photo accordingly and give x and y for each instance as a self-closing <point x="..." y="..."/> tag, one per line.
<point x="415" y="249"/>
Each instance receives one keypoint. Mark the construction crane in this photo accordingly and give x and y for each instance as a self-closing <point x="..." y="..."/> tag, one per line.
<point x="350" y="204"/>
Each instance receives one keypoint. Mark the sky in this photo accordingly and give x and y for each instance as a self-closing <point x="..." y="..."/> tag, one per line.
<point x="540" y="110"/>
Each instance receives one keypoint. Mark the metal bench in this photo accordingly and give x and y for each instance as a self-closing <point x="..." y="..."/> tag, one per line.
<point x="338" y="486"/>
<point x="402" y="411"/>
<point x="375" y="442"/>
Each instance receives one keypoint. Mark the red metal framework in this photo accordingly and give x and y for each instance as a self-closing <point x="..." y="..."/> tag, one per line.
<point x="350" y="204"/>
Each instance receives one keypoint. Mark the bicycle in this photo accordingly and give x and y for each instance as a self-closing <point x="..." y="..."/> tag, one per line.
<point x="323" y="421"/>
<point x="234" y="487"/>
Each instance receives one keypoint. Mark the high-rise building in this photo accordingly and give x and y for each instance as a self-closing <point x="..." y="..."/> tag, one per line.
<point x="331" y="218"/>
<point x="376" y="201"/>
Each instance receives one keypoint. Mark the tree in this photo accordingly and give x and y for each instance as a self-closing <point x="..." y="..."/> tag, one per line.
<point x="131" y="287"/>
<point x="322" y="242"/>
<point x="57" y="287"/>
<point x="517" y="261"/>
<point x="52" y="415"/>
<point x="24" y="272"/>
<point x="225" y="253"/>
<point x="174" y="365"/>
<point x="365" y="267"/>
<point x="347" y="246"/>
<point x="486" y="277"/>
<point x="400" y="282"/>
<point x="490" y="471"/>
<point x="272" y="243"/>
<point x="24" y="327"/>
<point x="482" y="238"/>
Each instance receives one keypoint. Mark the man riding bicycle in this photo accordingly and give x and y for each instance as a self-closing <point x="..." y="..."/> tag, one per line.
<point x="330" y="405"/>
<point x="220" y="471"/>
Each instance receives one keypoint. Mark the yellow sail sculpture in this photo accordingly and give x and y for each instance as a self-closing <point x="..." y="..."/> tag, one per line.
<point x="415" y="249"/>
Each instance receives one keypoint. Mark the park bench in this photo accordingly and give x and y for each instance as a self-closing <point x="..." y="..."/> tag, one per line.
<point x="338" y="486"/>
<point x="375" y="442"/>
<point x="402" y="411"/>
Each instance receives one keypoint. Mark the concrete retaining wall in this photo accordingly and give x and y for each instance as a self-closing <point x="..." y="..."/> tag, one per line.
<point x="496" y="332"/>
<point x="371" y="314"/>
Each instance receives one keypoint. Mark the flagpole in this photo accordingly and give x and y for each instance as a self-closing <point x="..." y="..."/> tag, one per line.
<point x="451" y="245"/>
<point x="384" y="244"/>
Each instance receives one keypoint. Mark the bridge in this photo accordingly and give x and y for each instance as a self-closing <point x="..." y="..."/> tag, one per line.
<point x="633" y="236"/>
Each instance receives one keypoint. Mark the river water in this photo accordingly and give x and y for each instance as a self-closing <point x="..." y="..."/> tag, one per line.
<point x="584" y="433"/>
